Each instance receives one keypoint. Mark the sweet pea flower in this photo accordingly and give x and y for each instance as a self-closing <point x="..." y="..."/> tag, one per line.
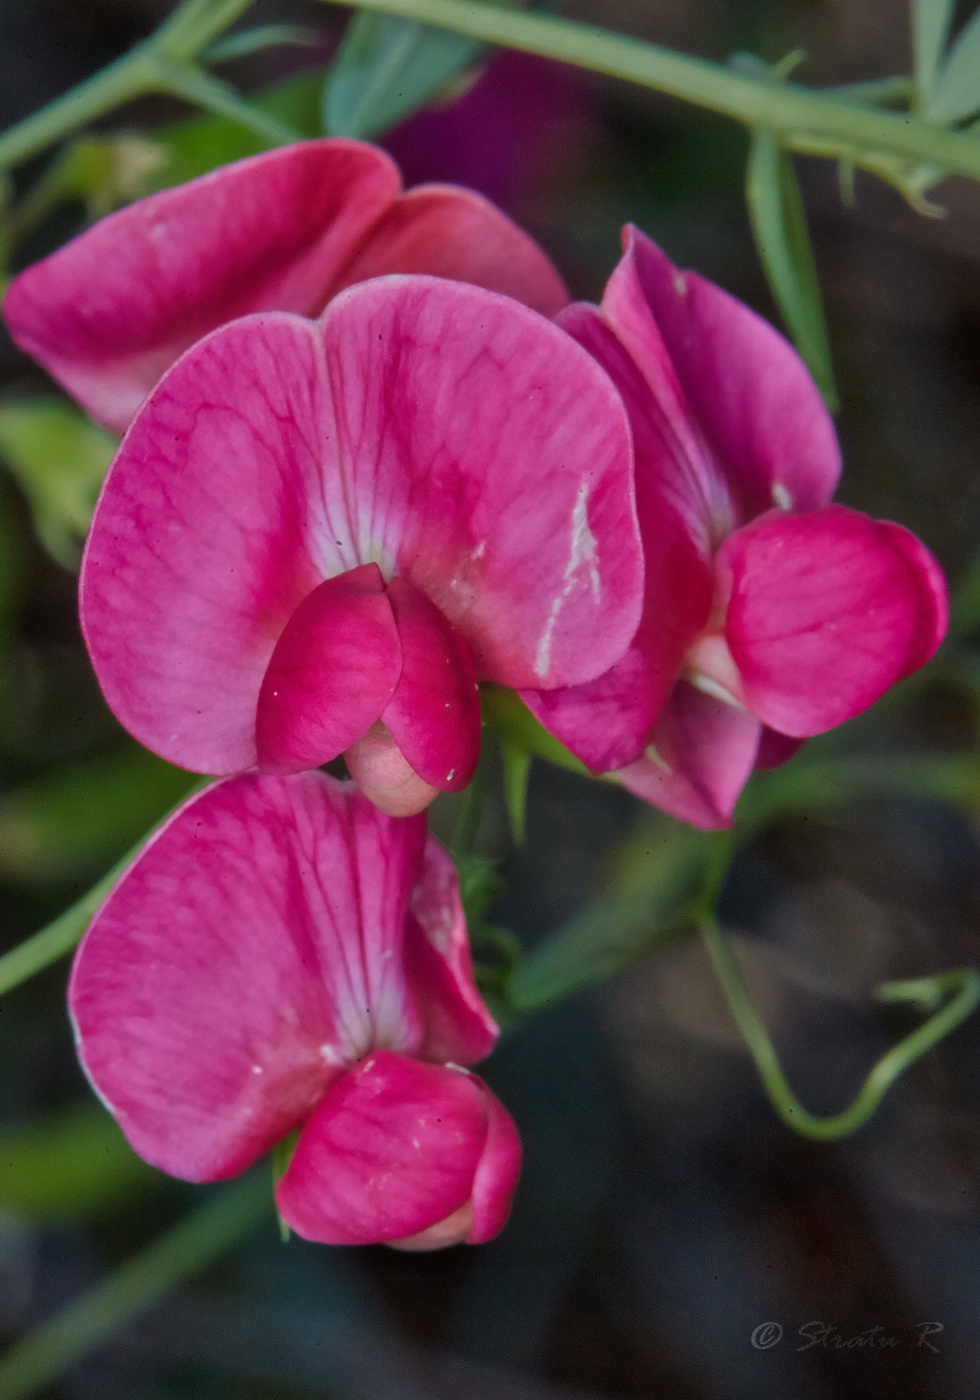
<point x="317" y="537"/>
<point x="282" y="957"/>
<point x="770" y="615"/>
<point x="111" y="310"/>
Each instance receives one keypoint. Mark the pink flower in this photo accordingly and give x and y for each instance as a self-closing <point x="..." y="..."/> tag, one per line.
<point x="284" y="231"/>
<point x="770" y="615"/>
<point x="318" y="536"/>
<point x="282" y="956"/>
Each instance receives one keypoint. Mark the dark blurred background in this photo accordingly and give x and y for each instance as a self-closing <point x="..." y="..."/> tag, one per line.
<point x="664" y="1214"/>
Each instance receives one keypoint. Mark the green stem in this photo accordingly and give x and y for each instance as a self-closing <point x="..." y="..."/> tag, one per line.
<point x="962" y="987"/>
<point x="194" y="85"/>
<point x="55" y="941"/>
<point x="182" y="1252"/>
<point x="58" y="939"/>
<point x="178" y="40"/>
<point x="785" y="109"/>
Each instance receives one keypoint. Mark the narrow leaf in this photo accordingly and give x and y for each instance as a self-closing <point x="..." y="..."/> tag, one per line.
<point x="781" y="236"/>
<point x="385" y="68"/>
<point x="956" y="93"/>
<point x="517" y="769"/>
<point x="263" y="36"/>
<point x="930" y="30"/>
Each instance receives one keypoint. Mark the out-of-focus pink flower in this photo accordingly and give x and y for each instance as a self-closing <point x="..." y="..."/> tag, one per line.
<point x="285" y="231"/>
<point x="318" y="536"/>
<point x="524" y="124"/>
<point x="282" y="956"/>
<point x="770" y="615"/>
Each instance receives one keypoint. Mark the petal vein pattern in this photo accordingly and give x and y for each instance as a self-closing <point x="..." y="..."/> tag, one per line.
<point x="283" y="956"/>
<point x="282" y="231"/>
<point x="466" y="447"/>
<point x="769" y="614"/>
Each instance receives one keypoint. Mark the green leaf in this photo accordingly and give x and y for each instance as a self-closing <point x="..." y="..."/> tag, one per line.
<point x="59" y="458"/>
<point x="512" y="722"/>
<point x="77" y="820"/>
<point x="956" y="93"/>
<point x="263" y="36"/>
<point x="517" y="769"/>
<point x="385" y="68"/>
<point x="71" y="1162"/>
<point x="781" y="236"/>
<point x="930" y="30"/>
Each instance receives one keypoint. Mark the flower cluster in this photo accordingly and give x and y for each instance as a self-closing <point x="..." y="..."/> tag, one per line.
<point x="372" y="458"/>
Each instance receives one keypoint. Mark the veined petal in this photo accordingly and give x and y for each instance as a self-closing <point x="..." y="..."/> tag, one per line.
<point x="391" y="1149"/>
<point x="490" y="465"/>
<point x="458" y="1026"/>
<point x="700" y="757"/>
<point x="332" y="673"/>
<point x="759" y="415"/>
<point x="109" y="312"/>
<point x="826" y="611"/>
<point x="496" y="1174"/>
<point x="455" y="233"/>
<point x="224" y="981"/>
<point x="606" y="722"/>
<point x="434" y="713"/>
<point x="216" y="520"/>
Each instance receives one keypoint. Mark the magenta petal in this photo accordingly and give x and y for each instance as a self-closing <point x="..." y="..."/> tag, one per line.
<point x="701" y="754"/>
<point x="458" y="1026"/>
<point x="605" y="722"/>
<point x="391" y="1149"/>
<point x="456" y="233"/>
<point x="332" y="673"/>
<point x="434" y="713"/>
<point x="757" y="410"/>
<point x="496" y="1174"/>
<point x="111" y="310"/>
<point x="827" y="610"/>
<point x="213" y="525"/>
<point x="490" y="465"/>
<point x="200" y="1013"/>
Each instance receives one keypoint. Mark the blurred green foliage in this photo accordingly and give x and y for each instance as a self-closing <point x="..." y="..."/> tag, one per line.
<point x="59" y="457"/>
<point x="70" y="1162"/>
<point x="77" y="820"/>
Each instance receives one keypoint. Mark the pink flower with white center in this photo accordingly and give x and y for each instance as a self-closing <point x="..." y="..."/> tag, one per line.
<point x="770" y="615"/>
<point x="282" y="957"/>
<point x="318" y="536"/>
<point x="283" y="231"/>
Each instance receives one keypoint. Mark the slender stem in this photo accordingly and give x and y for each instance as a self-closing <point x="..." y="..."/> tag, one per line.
<point x="179" y="39"/>
<point x="113" y="86"/>
<point x="192" y="26"/>
<point x="55" y="941"/>
<point x="786" y="109"/>
<point x="58" y="938"/>
<point x="962" y="986"/>
<point x="878" y="92"/>
<point x="193" y="84"/>
<point x="177" y="1255"/>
